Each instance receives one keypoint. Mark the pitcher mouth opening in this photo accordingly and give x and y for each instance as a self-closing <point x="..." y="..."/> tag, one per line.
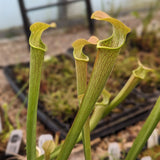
<point x="120" y="31"/>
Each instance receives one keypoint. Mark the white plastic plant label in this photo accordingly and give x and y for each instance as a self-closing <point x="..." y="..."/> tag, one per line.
<point x="1" y="129"/>
<point x="42" y="139"/>
<point x="146" y="158"/>
<point x="153" y="139"/>
<point x="47" y="58"/>
<point x="114" y="151"/>
<point x="14" y="142"/>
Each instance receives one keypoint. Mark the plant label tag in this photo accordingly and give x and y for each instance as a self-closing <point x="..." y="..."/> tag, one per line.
<point x="153" y="139"/>
<point x="14" y="142"/>
<point x="43" y="138"/>
<point x="114" y="151"/>
<point x="47" y="58"/>
<point x="146" y="158"/>
<point x="1" y="129"/>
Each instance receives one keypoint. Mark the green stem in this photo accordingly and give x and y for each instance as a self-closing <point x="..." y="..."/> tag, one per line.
<point x="86" y="140"/>
<point x="137" y="75"/>
<point x="101" y="111"/>
<point x="81" y="75"/>
<point x="81" y="62"/>
<point x="6" y="118"/>
<point x="99" y="76"/>
<point x="18" y="113"/>
<point x="107" y="52"/>
<point x="34" y="85"/>
<point x="125" y="91"/>
<point x="96" y="116"/>
<point x="145" y="132"/>
<point x="98" y="111"/>
<point x="37" y="51"/>
<point x="18" y="93"/>
<point x="81" y="72"/>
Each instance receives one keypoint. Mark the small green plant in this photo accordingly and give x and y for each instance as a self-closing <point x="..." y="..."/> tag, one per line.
<point x="91" y="110"/>
<point x="18" y="125"/>
<point x="8" y="127"/>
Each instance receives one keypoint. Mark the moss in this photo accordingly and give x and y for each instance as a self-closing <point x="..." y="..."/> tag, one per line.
<point x="58" y="86"/>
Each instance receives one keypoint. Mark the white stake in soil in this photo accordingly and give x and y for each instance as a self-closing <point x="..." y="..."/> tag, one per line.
<point x="114" y="151"/>
<point x="43" y="138"/>
<point x="153" y="139"/>
<point x="146" y="158"/>
<point x="14" y="142"/>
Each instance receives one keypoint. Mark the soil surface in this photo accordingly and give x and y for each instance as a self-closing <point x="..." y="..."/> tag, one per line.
<point x="16" y="50"/>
